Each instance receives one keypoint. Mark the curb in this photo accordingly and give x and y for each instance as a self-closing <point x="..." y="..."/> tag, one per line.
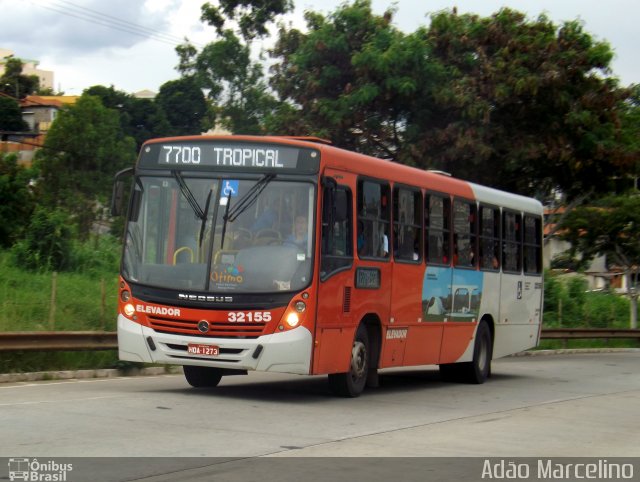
<point x="88" y="374"/>
<point x="574" y="351"/>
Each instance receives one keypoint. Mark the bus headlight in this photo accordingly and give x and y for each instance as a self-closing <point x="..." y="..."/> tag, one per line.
<point x="293" y="319"/>
<point x="129" y="310"/>
<point x="125" y="296"/>
<point x="300" y="306"/>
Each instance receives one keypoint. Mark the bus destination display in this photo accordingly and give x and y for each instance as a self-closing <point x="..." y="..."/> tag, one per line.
<point x="229" y="156"/>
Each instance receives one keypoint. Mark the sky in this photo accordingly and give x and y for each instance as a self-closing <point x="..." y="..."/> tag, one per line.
<point x="130" y="44"/>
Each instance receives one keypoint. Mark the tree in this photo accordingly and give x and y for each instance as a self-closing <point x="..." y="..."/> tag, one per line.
<point x="14" y="83"/>
<point x="141" y="119"/>
<point x="11" y="115"/>
<point x="610" y="227"/>
<point x="252" y="16"/>
<point x="16" y="198"/>
<point x="523" y="105"/>
<point x="233" y="81"/>
<point x="526" y="99"/>
<point x="184" y="106"/>
<point x="47" y="242"/>
<point x="352" y="79"/>
<point x="84" y="148"/>
<point x="147" y="120"/>
<point x="630" y="124"/>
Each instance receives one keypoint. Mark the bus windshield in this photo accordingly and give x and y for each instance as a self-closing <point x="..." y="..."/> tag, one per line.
<point x="220" y="235"/>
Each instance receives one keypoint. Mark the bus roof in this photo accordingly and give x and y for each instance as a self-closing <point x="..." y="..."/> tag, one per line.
<point x="350" y="161"/>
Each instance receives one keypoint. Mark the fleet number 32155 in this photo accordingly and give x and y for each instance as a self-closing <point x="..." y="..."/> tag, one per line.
<point x="249" y="316"/>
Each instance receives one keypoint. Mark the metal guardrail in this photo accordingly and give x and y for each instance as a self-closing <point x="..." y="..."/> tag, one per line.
<point x="587" y="333"/>
<point x="58" y="340"/>
<point x="102" y="340"/>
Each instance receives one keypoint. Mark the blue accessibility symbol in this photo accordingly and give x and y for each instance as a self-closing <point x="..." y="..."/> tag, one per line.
<point x="230" y="188"/>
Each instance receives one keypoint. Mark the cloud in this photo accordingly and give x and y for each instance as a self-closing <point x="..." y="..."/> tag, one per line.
<point x="61" y="28"/>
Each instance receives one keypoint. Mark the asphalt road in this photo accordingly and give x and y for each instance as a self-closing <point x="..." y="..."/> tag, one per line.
<point x="580" y="405"/>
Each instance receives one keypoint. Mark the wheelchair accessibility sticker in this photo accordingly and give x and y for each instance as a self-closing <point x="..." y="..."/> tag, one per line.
<point x="230" y="188"/>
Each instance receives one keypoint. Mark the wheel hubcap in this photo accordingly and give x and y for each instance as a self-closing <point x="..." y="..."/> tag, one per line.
<point x="483" y="356"/>
<point x="358" y="360"/>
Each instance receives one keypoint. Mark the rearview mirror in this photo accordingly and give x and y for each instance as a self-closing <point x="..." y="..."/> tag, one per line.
<point x="118" y="194"/>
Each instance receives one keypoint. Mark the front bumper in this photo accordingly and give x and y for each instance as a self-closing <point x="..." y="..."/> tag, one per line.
<point x="286" y="352"/>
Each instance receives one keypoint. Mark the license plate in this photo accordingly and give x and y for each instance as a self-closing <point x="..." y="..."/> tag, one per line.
<point x="206" y="350"/>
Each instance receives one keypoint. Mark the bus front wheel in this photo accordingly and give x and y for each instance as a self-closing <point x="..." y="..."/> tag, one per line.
<point x="352" y="383"/>
<point x="202" y="377"/>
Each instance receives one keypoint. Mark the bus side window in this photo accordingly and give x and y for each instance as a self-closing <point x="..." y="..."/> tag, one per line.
<point x="464" y="233"/>
<point x="489" y="238"/>
<point x="373" y="219"/>
<point x="407" y="224"/>
<point x="337" y="237"/>
<point x="511" y="242"/>
<point x="437" y="225"/>
<point x="532" y="245"/>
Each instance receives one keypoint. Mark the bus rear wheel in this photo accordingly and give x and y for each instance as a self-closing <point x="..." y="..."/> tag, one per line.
<point x="352" y="383"/>
<point x="202" y="377"/>
<point x="479" y="369"/>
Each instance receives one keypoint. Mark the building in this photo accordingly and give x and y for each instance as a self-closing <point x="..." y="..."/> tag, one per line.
<point x="145" y="94"/>
<point x="599" y="275"/>
<point x="30" y="67"/>
<point x="38" y="111"/>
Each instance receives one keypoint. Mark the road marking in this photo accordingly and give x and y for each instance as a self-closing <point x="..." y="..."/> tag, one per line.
<point x="41" y="383"/>
<point x="36" y="402"/>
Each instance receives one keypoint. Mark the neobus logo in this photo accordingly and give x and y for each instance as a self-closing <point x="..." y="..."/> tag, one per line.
<point x="207" y="299"/>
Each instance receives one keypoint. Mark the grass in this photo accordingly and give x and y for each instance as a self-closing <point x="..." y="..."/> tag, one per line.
<point x="592" y="343"/>
<point x="26" y="304"/>
<point x="22" y="362"/>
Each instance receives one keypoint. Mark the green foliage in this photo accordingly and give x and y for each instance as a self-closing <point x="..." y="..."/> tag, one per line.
<point x="16" y="198"/>
<point x="233" y="81"/>
<point x="610" y="227"/>
<point x="529" y="99"/>
<point x="352" y="78"/>
<point x="47" y="242"/>
<point x="96" y="257"/>
<point x="184" y="105"/>
<point x="567" y="303"/>
<point x="50" y="244"/>
<point x="520" y="104"/>
<point x="524" y="105"/>
<point x="568" y="261"/>
<point x="11" y="115"/>
<point x="252" y="16"/>
<point x="83" y="149"/>
<point x="14" y="83"/>
<point x="605" y="310"/>
<point x="23" y="362"/>
<point x="26" y="304"/>
<point x="141" y="119"/>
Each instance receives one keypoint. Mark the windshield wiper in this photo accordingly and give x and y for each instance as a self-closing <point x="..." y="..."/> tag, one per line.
<point x="244" y="203"/>
<point x="186" y="192"/>
<point x="204" y="218"/>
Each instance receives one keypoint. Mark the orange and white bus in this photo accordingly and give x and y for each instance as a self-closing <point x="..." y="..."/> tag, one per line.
<point x="290" y="255"/>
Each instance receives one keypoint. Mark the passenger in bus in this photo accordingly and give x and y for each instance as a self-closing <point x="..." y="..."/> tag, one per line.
<point x="384" y="246"/>
<point x="267" y="219"/>
<point x="299" y="237"/>
<point x="360" y="239"/>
